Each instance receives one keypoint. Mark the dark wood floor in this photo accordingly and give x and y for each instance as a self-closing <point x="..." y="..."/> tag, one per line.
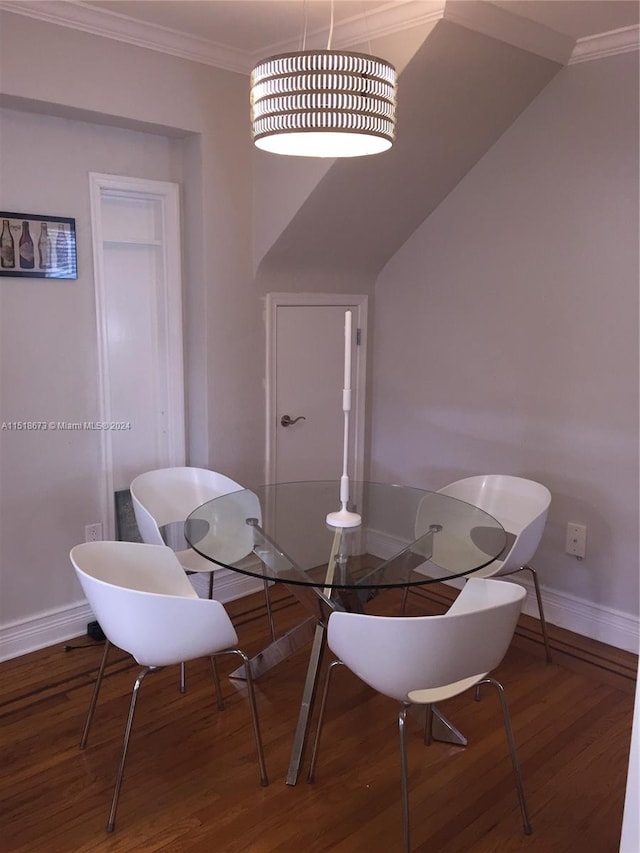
<point x="191" y="782"/>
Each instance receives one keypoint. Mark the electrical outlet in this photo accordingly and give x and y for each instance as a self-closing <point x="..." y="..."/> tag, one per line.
<point x="93" y="532"/>
<point x="576" y="544"/>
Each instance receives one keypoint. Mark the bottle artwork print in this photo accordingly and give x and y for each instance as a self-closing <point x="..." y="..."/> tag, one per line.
<point x="44" y="248"/>
<point x="7" y="247"/>
<point x="37" y="246"/>
<point x="25" y="248"/>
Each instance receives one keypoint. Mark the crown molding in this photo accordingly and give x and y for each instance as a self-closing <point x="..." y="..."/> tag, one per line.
<point x="394" y="17"/>
<point x="623" y="40"/>
<point x="121" y="28"/>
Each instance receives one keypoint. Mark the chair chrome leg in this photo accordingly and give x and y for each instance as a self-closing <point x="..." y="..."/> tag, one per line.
<point x="267" y="599"/>
<point x="323" y="705"/>
<point x="264" y="781"/>
<point x="94" y="695"/>
<point x="183" y="678"/>
<point x="216" y="681"/>
<point x="526" y="823"/>
<point x="210" y="584"/>
<point x="404" y="775"/>
<point x="125" y="745"/>
<point x="543" y="624"/>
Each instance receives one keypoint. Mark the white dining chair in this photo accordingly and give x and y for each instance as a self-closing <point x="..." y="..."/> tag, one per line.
<point x="521" y="506"/>
<point x="426" y="660"/>
<point x="165" y="496"/>
<point x="146" y="606"/>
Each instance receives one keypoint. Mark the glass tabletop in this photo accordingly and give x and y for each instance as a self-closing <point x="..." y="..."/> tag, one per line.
<point x="406" y="537"/>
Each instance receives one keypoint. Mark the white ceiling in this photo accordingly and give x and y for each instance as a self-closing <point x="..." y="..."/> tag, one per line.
<point x="253" y="26"/>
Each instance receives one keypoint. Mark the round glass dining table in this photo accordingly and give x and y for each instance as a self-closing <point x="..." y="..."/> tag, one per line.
<point x="405" y="537"/>
<point x="402" y="528"/>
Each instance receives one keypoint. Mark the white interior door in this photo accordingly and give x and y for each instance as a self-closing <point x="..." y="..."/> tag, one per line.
<point x="305" y="378"/>
<point x="136" y="239"/>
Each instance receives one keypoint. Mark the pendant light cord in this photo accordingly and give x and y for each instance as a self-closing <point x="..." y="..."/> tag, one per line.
<point x="331" y="22"/>
<point x="304" y="28"/>
<point x="366" y="26"/>
<point x="330" y="28"/>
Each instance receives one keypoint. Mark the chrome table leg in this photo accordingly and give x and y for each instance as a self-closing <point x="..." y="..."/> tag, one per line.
<point x="308" y="696"/>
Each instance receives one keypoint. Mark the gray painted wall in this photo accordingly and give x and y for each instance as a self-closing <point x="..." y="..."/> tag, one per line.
<point x="506" y="329"/>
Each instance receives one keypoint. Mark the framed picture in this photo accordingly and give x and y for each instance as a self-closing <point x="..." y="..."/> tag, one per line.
<point x="34" y="246"/>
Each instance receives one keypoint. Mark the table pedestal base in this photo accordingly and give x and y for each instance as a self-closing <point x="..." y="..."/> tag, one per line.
<point x="444" y="731"/>
<point x="278" y="650"/>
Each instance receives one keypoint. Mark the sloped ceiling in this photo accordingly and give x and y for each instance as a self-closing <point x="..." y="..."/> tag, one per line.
<point x="457" y="95"/>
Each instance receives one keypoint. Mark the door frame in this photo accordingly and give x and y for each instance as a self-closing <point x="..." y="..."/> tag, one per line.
<point x="169" y="290"/>
<point x="359" y="303"/>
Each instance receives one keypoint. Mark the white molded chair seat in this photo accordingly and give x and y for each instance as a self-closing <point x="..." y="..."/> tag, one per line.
<point x="146" y="606"/>
<point x="168" y="495"/>
<point x="521" y="506"/>
<point x="428" y="659"/>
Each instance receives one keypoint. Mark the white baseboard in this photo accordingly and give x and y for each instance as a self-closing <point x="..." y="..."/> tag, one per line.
<point x="44" y="629"/>
<point x="613" y="627"/>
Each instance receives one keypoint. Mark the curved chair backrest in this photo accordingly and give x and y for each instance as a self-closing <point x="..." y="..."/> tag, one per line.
<point x="397" y="655"/>
<point x="167" y="495"/>
<point x="520" y="505"/>
<point x="146" y="605"/>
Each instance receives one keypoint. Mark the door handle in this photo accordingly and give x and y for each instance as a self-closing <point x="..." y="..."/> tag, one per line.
<point x="287" y="420"/>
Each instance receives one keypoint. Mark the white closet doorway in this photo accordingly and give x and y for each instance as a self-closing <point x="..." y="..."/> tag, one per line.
<point x="136" y="250"/>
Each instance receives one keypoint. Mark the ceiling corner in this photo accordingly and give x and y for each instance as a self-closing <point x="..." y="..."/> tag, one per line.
<point x="495" y="22"/>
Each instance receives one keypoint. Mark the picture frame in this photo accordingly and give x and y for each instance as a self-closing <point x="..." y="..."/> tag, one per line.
<point x="37" y="246"/>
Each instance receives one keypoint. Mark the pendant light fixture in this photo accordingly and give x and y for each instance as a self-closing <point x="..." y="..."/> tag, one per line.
<point x="323" y="103"/>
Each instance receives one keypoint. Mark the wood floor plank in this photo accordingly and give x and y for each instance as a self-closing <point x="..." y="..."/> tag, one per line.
<point x="191" y="782"/>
